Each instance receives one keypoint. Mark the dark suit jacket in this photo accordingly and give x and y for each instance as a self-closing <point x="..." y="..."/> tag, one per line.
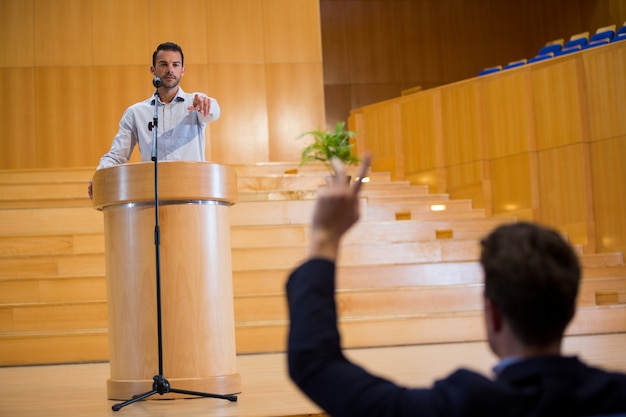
<point x="544" y="386"/>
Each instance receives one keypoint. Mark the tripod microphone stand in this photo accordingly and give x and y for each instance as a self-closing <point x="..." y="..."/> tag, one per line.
<point x="161" y="385"/>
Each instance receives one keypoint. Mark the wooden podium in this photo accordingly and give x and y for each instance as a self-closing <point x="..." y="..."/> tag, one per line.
<point x="198" y="325"/>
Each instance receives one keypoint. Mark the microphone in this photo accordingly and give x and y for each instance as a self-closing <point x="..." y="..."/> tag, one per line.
<point x="157" y="82"/>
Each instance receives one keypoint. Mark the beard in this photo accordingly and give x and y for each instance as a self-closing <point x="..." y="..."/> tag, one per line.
<point x="170" y="83"/>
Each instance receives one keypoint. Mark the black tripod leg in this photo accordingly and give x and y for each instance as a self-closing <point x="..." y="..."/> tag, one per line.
<point x="231" y="398"/>
<point x="159" y="386"/>
<point x="117" y="407"/>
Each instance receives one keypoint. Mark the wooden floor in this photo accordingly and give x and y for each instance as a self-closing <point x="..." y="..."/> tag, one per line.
<point x="80" y="390"/>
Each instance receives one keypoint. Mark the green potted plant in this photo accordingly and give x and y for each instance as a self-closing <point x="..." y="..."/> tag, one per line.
<point x="328" y="144"/>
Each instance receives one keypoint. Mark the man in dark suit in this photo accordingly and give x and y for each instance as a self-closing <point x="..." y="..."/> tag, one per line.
<point x="531" y="284"/>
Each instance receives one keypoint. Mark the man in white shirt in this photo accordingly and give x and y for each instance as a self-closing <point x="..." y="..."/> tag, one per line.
<point x="182" y="117"/>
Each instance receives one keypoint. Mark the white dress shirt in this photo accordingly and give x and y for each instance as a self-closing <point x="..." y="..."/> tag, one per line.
<point x="180" y="133"/>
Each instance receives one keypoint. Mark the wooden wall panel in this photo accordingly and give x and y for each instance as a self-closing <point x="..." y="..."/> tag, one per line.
<point x="559" y="119"/>
<point x="295" y="100"/>
<point x="121" y="32"/>
<point x="461" y="134"/>
<point x="197" y="78"/>
<point x="17" y="142"/>
<point x="62" y="33"/>
<point x="422" y="40"/>
<point x="374" y="93"/>
<point x="459" y="24"/>
<point x="16" y="32"/>
<point x="64" y="115"/>
<point x="94" y="56"/>
<point x="374" y="124"/>
<point x="186" y="27"/>
<point x="518" y="29"/>
<point x="609" y="193"/>
<point x="241" y="134"/>
<point x="422" y="133"/>
<point x="292" y="31"/>
<point x="534" y="124"/>
<point x="114" y="89"/>
<point x="465" y="181"/>
<point x="511" y="185"/>
<point x="373" y="42"/>
<point x="604" y="64"/>
<point x="239" y="23"/>
<point x="369" y="44"/>
<point x="506" y="114"/>
<point x="337" y="94"/>
<point x="562" y="170"/>
<point x="336" y="49"/>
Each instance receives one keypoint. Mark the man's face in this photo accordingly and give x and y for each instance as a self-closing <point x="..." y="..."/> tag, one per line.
<point x="169" y="67"/>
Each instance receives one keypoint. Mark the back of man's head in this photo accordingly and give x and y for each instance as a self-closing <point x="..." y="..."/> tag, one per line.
<point x="532" y="276"/>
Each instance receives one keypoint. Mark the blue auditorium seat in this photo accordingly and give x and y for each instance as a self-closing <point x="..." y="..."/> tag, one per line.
<point x="514" y="64"/>
<point x="490" y="70"/>
<point x="569" y="50"/>
<point x="540" y="57"/>
<point x="574" y="44"/>
<point x="620" y="35"/>
<point x="603" y="36"/>
<point x="579" y="39"/>
<point x="554" y="47"/>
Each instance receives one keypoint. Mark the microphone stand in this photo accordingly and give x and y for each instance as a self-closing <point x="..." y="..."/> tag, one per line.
<point x="161" y="385"/>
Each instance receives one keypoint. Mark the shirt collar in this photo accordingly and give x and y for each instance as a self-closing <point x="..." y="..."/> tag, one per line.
<point x="503" y="364"/>
<point x="180" y="96"/>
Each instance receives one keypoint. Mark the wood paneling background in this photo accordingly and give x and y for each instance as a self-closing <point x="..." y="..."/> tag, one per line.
<point x="73" y="66"/>
<point x="374" y="49"/>
<point x="540" y="142"/>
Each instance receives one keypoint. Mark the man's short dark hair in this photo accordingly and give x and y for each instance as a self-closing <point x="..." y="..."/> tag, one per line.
<point x="168" y="46"/>
<point x="532" y="276"/>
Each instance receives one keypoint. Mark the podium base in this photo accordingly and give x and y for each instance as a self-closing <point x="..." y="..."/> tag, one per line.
<point x="222" y="385"/>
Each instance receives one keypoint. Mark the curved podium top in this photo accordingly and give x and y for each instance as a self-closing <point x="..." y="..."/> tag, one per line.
<point x="178" y="181"/>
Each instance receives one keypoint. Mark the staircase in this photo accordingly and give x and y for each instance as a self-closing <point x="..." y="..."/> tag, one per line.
<point x="408" y="274"/>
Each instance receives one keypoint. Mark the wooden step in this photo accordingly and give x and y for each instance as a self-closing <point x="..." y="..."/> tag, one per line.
<point x="53" y="289"/>
<point x="373" y="232"/>
<point x="422" y="210"/>
<point x="263" y="236"/>
<point x="411" y="231"/>
<point x="54" y="347"/>
<point x="406" y="274"/>
<point x="257" y="258"/>
<point x="50" y="221"/>
<point x="294" y="168"/>
<point x="276" y="168"/>
<point x="41" y="317"/>
<point x="65" y="290"/>
<point x="602" y="259"/>
<point x="250" y="282"/>
<point x="420" y="329"/>
<point x="77" y="346"/>
<point x="42" y="176"/>
<point x="360" y="254"/>
<point x="374" y="192"/>
<point x="301" y="211"/>
<point x="69" y="244"/>
<point x="595" y="271"/>
<point x="52" y="266"/>
<point x="56" y="288"/>
<point x="401" y="301"/>
<point x="44" y="188"/>
<point x="44" y="191"/>
<point x="398" y="301"/>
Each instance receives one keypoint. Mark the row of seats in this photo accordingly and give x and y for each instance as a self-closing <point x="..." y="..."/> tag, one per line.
<point x="578" y="42"/>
